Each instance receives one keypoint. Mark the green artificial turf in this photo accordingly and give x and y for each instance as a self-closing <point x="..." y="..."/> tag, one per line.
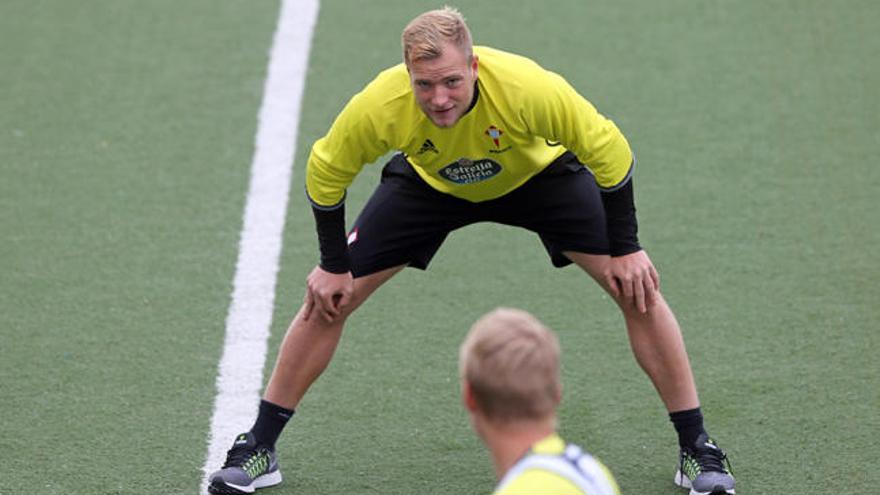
<point x="126" y="136"/>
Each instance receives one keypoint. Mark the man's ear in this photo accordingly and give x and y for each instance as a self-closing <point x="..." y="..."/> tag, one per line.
<point x="467" y="396"/>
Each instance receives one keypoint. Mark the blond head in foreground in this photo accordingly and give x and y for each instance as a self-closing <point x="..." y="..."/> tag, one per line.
<point x="509" y="364"/>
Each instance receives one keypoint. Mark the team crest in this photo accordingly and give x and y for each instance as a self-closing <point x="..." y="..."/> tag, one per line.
<point x="494" y="134"/>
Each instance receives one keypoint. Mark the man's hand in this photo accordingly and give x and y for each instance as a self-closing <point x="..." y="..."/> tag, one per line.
<point x="327" y="293"/>
<point x="633" y="279"/>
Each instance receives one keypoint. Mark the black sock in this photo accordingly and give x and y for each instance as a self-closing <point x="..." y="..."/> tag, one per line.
<point x="689" y="425"/>
<point x="270" y="421"/>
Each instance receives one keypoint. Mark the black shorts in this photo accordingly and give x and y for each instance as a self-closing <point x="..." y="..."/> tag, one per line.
<point x="405" y="220"/>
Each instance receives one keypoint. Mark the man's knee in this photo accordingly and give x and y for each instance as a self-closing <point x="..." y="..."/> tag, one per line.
<point x="657" y="308"/>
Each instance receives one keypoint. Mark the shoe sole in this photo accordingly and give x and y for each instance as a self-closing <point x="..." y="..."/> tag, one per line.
<point x="264" y="481"/>
<point x="685" y="482"/>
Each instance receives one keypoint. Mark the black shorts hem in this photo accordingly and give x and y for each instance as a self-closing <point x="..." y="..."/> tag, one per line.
<point x="560" y="260"/>
<point x="365" y="270"/>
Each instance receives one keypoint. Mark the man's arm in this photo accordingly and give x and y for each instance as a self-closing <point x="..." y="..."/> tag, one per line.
<point x="330" y="284"/>
<point x="330" y="224"/>
<point x="569" y="118"/>
<point x="554" y="110"/>
<point x="353" y="140"/>
<point x="631" y="274"/>
<point x="620" y="217"/>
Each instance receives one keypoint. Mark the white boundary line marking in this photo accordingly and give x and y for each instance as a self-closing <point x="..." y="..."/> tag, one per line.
<point x="240" y="373"/>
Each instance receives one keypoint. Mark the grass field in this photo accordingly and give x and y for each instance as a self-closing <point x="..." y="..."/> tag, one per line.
<point x="126" y="136"/>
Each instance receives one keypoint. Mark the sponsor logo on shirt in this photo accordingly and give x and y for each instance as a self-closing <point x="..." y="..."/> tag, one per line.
<point x="466" y="171"/>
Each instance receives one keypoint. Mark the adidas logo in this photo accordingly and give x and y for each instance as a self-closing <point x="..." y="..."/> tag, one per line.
<point x="427" y="146"/>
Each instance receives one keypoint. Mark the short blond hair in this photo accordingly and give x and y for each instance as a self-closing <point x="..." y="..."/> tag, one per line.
<point x="424" y="37"/>
<point x="510" y="360"/>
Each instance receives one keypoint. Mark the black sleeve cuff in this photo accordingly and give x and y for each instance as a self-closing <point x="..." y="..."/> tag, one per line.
<point x="331" y="239"/>
<point x="620" y="217"/>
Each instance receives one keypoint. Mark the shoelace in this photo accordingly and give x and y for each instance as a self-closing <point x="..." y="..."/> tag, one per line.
<point x="238" y="456"/>
<point x="713" y="459"/>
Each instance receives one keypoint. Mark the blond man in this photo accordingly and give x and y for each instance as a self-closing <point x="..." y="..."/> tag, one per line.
<point x="482" y="136"/>
<point x="510" y="383"/>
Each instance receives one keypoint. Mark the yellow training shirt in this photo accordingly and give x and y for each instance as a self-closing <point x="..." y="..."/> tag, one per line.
<point x="553" y="468"/>
<point x="523" y="119"/>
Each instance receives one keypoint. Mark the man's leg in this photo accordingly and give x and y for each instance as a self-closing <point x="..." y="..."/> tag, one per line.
<point x="656" y="341"/>
<point x="305" y="352"/>
<point x="309" y="345"/>
<point x="403" y="224"/>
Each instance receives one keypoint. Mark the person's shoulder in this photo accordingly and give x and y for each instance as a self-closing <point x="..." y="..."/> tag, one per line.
<point x="592" y="469"/>
<point x="389" y="88"/>
<point x="538" y="480"/>
<point x="555" y="467"/>
<point x="494" y="59"/>
<point x="395" y="76"/>
<point x="497" y="54"/>
<point x="518" y="78"/>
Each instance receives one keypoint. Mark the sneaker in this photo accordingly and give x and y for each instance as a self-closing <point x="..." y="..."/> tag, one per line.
<point x="248" y="466"/>
<point x="704" y="469"/>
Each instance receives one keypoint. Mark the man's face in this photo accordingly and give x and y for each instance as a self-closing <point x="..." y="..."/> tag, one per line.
<point x="444" y="86"/>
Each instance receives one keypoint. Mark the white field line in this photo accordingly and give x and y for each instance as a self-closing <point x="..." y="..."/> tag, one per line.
<point x="240" y="373"/>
